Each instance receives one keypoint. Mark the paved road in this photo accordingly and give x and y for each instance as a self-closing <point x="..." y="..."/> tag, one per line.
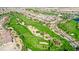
<point x="57" y="30"/>
<point x="64" y="34"/>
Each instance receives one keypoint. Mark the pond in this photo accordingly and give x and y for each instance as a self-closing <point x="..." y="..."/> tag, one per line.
<point x="76" y="19"/>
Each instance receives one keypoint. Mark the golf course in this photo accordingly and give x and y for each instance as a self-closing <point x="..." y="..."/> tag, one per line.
<point x="20" y="23"/>
<point x="70" y="27"/>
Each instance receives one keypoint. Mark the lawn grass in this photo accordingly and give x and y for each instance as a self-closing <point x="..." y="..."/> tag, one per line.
<point x="27" y="37"/>
<point x="31" y="41"/>
<point x="70" y="27"/>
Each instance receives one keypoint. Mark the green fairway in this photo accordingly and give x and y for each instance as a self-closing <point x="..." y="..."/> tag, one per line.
<point x="31" y="41"/>
<point x="70" y="27"/>
<point x="27" y="37"/>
